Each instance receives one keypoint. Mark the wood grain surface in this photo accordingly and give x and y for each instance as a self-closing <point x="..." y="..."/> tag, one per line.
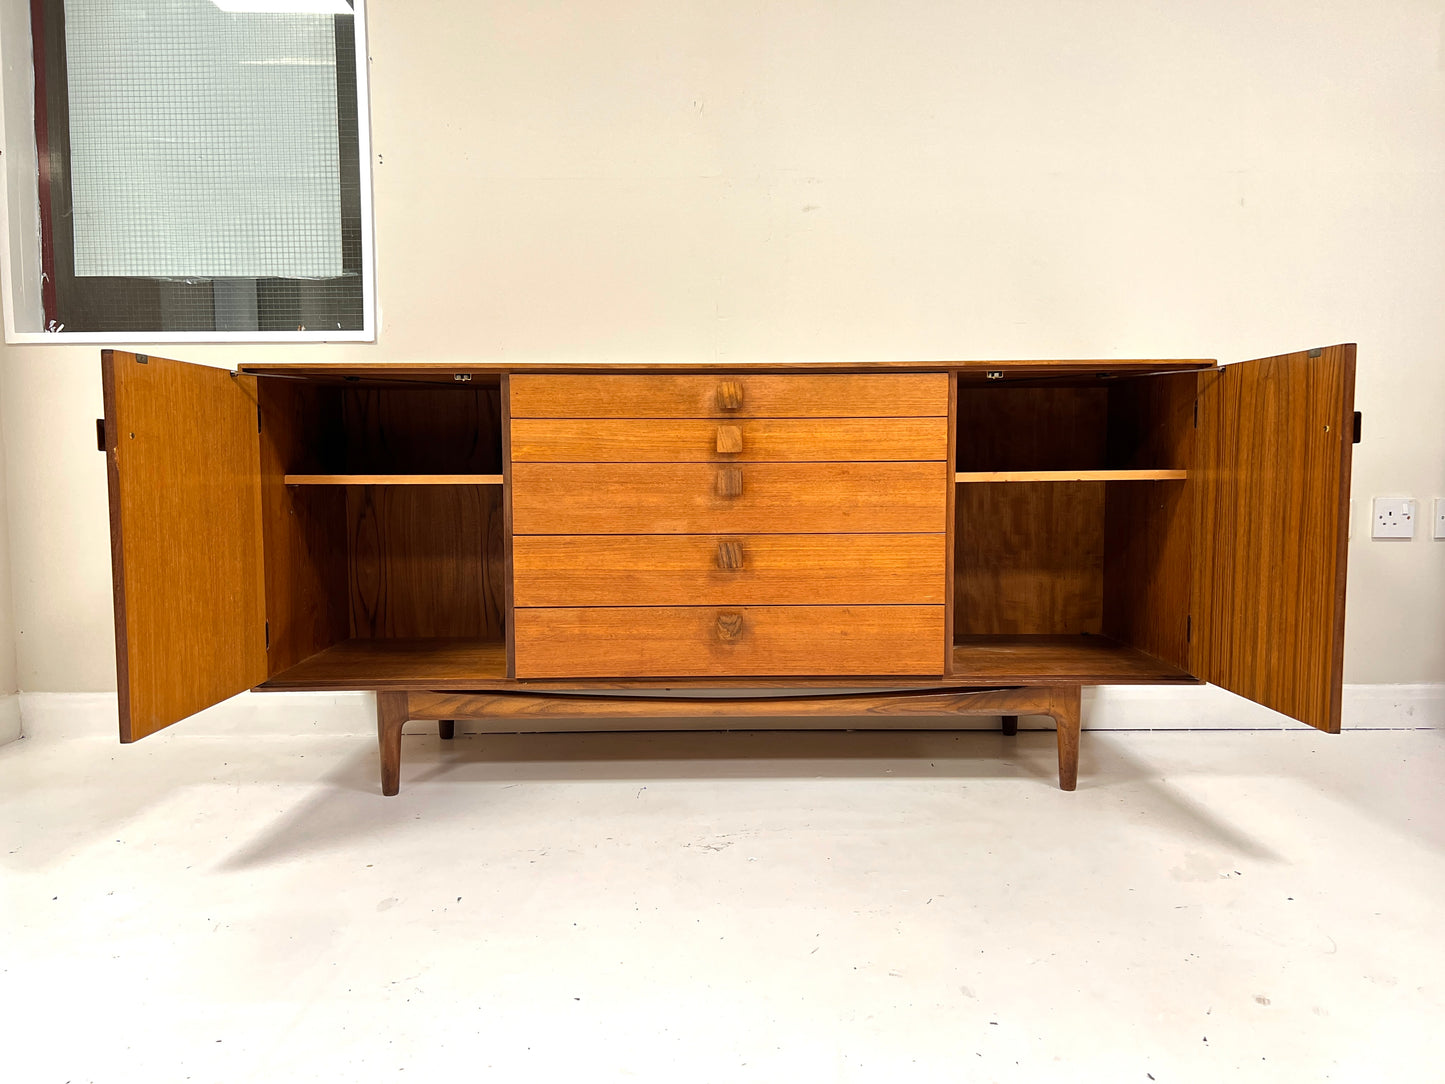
<point x="1066" y="708"/>
<point x="392" y="479"/>
<point x="682" y="498"/>
<point x="470" y="665"/>
<point x="391" y="373"/>
<point x="509" y="620"/>
<point x="624" y="641"/>
<point x="693" y="440"/>
<point x="306" y="560"/>
<point x="950" y="518"/>
<point x="1031" y="429"/>
<point x="521" y="712"/>
<point x="421" y="431"/>
<point x="1029" y="558"/>
<point x="1271" y="495"/>
<point x="1148" y="546"/>
<point x="1065" y="660"/>
<point x="1111" y="475"/>
<point x="374" y="663"/>
<point x="391" y="717"/>
<point x="687" y="569"/>
<point x="426" y="561"/>
<point x="183" y="461"/>
<point x="614" y="395"/>
<point x="1151" y="421"/>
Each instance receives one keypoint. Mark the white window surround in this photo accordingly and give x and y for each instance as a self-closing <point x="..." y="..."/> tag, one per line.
<point x="20" y="261"/>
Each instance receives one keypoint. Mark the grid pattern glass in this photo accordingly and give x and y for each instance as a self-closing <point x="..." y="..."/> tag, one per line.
<point x="203" y="143"/>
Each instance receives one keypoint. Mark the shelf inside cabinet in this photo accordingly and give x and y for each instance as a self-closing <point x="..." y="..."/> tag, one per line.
<point x="1069" y="475"/>
<point x="393" y="479"/>
<point x="437" y="663"/>
<point x="1066" y="660"/>
<point x="363" y="663"/>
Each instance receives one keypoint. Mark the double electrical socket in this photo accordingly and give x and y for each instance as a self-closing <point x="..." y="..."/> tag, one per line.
<point x="1394" y="517"/>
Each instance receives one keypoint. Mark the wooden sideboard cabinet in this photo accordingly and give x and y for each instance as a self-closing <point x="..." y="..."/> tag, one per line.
<point x="661" y="547"/>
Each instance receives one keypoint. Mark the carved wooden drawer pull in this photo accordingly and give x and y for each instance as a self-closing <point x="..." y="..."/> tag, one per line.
<point x="730" y="482"/>
<point x="730" y="395"/>
<point x="730" y="556"/>
<point x="729" y="439"/>
<point x="729" y="626"/>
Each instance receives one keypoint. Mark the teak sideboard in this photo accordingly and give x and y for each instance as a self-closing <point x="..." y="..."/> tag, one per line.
<point x="687" y="546"/>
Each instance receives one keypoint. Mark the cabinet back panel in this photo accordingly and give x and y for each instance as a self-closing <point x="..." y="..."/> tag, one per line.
<point x="426" y="561"/>
<point x="422" y="430"/>
<point x="1148" y="536"/>
<point x="1043" y="428"/>
<point x="304" y="526"/>
<point x="1151" y="421"/>
<point x="1029" y="558"/>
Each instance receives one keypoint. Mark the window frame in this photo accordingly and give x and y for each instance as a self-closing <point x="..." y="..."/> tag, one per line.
<point x="20" y="209"/>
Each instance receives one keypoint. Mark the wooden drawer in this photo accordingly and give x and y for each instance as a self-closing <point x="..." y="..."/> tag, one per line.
<point x="713" y="570"/>
<point x="698" y="641"/>
<point x="877" y="395"/>
<point x="694" y="498"/>
<point x="694" y="440"/>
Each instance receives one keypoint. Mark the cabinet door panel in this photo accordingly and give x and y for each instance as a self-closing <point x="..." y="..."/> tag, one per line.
<point x="182" y="456"/>
<point x="1272" y="489"/>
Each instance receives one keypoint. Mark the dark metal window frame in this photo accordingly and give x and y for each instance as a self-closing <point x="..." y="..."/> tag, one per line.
<point x="192" y="306"/>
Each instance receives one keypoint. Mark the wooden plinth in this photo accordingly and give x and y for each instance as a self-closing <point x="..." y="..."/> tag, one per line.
<point x="521" y="712"/>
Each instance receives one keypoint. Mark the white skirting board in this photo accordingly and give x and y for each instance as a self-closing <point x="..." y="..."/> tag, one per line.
<point x="9" y="717"/>
<point x="1117" y="707"/>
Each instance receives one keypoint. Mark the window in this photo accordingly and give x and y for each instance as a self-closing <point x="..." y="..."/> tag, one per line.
<point x="201" y="172"/>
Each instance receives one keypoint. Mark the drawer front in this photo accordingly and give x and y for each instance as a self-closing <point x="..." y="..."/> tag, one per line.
<point x="721" y="570"/>
<point x="702" y="440"/>
<point x="756" y="641"/>
<point x="879" y="395"/>
<point x="704" y="498"/>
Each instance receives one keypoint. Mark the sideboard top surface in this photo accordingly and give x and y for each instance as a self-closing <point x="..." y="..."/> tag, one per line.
<point x="448" y="371"/>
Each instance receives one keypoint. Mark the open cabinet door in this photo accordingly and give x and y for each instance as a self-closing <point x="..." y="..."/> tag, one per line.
<point x="1272" y="494"/>
<point x="182" y="456"/>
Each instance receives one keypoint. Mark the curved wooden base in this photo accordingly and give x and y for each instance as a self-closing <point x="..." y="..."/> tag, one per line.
<point x="910" y="710"/>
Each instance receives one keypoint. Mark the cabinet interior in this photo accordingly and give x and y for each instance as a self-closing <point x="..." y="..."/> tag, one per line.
<point x="1067" y="559"/>
<point x="405" y="581"/>
<point x="378" y="567"/>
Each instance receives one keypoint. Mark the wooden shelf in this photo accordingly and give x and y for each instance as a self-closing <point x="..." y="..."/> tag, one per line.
<point x="393" y="479"/>
<point x="1067" y="660"/>
<point x="1069" y="475"/>
<point x="392" y="664"/>
<point x="475" y="665"/>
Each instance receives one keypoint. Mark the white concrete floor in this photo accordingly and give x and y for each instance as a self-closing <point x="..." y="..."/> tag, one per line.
<point x="815" y="907"/>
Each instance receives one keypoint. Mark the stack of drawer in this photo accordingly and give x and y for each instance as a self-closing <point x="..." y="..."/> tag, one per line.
<point x="690" y="526"/>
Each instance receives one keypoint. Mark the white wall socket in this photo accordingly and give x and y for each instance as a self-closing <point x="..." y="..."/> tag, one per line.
<point x="1394" y="517"/>
<point x="1440" y="518"/>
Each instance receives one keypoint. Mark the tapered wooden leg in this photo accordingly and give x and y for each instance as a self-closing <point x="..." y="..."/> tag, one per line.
<point x="1010" y="724"/>
<point x="1065" y="709"/>
<point x="447" y="728"/>
<point x="390" y="718"/>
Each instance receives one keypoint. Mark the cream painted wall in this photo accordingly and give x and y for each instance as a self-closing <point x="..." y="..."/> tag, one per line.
<point x="668" y="180"/>
<point x="9" y="706"/>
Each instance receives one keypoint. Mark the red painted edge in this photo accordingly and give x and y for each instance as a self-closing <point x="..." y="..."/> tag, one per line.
<point x="42" y="151"/>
